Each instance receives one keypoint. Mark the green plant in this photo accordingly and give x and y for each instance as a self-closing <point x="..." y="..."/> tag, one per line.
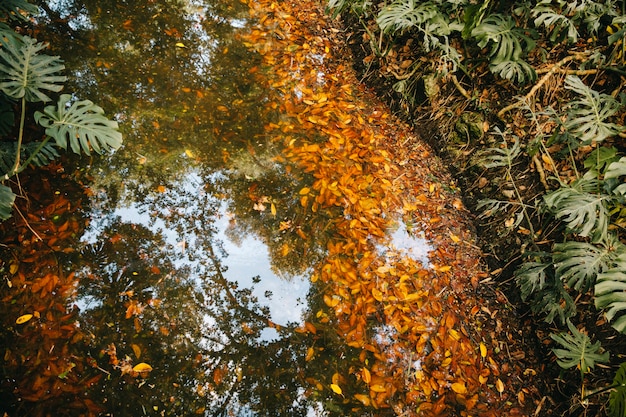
<point x="617" y="398"/>
<point x="27" y="75"/>
<point x="588" y="115"/>
<point x="577" y="350"/>
<point x="508" y="43"/>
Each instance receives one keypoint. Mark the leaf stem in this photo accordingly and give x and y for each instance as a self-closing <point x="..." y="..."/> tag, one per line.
<point x="16" y="165"/>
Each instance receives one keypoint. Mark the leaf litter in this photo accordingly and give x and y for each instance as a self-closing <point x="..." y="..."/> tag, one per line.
<point x="433" y="340"/>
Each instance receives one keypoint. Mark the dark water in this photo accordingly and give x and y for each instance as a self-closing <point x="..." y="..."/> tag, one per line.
<point x="191" y="261"/>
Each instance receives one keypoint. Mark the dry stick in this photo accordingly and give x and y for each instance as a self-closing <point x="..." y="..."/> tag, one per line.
<point x="541" y="82"/>
<point x="459" y="87"/>
<point x="540" y="171"/>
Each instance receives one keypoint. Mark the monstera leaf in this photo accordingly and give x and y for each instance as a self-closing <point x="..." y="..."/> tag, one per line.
<point x="610" y="293"/>
<point x="7" y="198"/>
<point x="577" y="350"/>
<point x="507" y="41"/>
<point x="25" y="73"/>
<point x="12" y="8"/>
<point x="617" y="399"/>
<point x="579" y="263"/>
<point x="583" y="209"/>
<point x="405" y="14"/>
<point x="587" y="116"/>
<point x="82" y="125"/>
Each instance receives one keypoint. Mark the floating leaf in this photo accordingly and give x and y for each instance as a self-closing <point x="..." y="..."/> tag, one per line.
<point x="459" y="388"/>
<point x="23" y="319"/>
<point x="336" y="389"/>
<point x="142" y="367"/>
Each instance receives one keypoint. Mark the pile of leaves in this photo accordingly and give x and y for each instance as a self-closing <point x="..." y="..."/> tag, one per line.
<point x="428" y="342"/>
<point x="525" y="103"/>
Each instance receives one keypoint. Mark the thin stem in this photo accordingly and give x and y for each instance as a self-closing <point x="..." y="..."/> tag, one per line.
<point x="16" y="165"/>
<point x="33" y="154"/>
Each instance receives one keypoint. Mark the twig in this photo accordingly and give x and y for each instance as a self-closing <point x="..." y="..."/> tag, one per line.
<point x="540" y="171"/>
<point x="27" y="224"/>
<point x="555" y="68"/>
<point x="459" y="87"/>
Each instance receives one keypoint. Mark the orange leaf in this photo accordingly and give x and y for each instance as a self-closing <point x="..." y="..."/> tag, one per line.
<point x="500" y="386"/>
<point x="366" y="375"/>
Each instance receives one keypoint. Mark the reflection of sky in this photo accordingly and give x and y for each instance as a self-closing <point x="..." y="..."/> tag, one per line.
<point x="244" y="261"/>
<point x="404" y="243"/>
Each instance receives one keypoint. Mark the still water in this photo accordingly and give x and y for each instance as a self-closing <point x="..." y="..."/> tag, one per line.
<point x="194" y="259"/>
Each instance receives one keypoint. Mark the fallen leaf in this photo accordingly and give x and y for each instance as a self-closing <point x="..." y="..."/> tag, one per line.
<point x="23" y="319"/>
<point x="336" y="389"/>
<point x="142" y="367"/>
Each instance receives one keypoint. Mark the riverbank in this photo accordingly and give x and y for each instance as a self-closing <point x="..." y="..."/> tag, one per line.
<point x="473" y="359"/>
<point x="454" y="116"/>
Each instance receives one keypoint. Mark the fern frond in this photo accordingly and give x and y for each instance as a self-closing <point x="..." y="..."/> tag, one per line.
<point x="587" y="116"/>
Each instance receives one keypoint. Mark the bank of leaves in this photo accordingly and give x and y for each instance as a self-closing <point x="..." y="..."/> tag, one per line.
<point x="549" y="75"/>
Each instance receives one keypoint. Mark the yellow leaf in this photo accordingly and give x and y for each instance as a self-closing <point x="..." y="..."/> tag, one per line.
<point x="273" y="209"/>
<point x="378" y="296"/>
<point x="189" y="153"/>
<point x="14" y="267"/>
<point x="367" y="377"/>
<point x="23" y="319"/>
<point x="336" y="389"/>
<point x="500" y="386"/>
<point x="305" y="191"/>
<point x="309" y="354"/>
<point x="483" y="350"/>
<point x="137" y="350"/>
<point x="459" y="388"/>
<point x="142" y="367"/>
<point x="180" y="45"/>
<point x="482" y="379"/>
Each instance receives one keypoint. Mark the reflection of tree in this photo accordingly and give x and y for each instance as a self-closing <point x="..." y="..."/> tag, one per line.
<point x="200" y="332"/>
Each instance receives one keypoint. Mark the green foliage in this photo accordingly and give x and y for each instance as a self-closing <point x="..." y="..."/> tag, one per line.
<point x="28" y="75"/>
<point x="617" y="399"/>
<point x="25" y="73"/>
<point x="7" y="198"/>
<point x="12" y="9"/>
<point x="581" y="206"/>
<point x="610" y="291"/>
<point x="508" y="43"/>
<point x="587" y="116"/>
<point x="543" y="290"/>
<point x="577" y="350"/>
<point x="558" y="26"/>
<point x="579" y="263"/>
<point x="405" y="14"/>
<point x="81" y="124"/>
